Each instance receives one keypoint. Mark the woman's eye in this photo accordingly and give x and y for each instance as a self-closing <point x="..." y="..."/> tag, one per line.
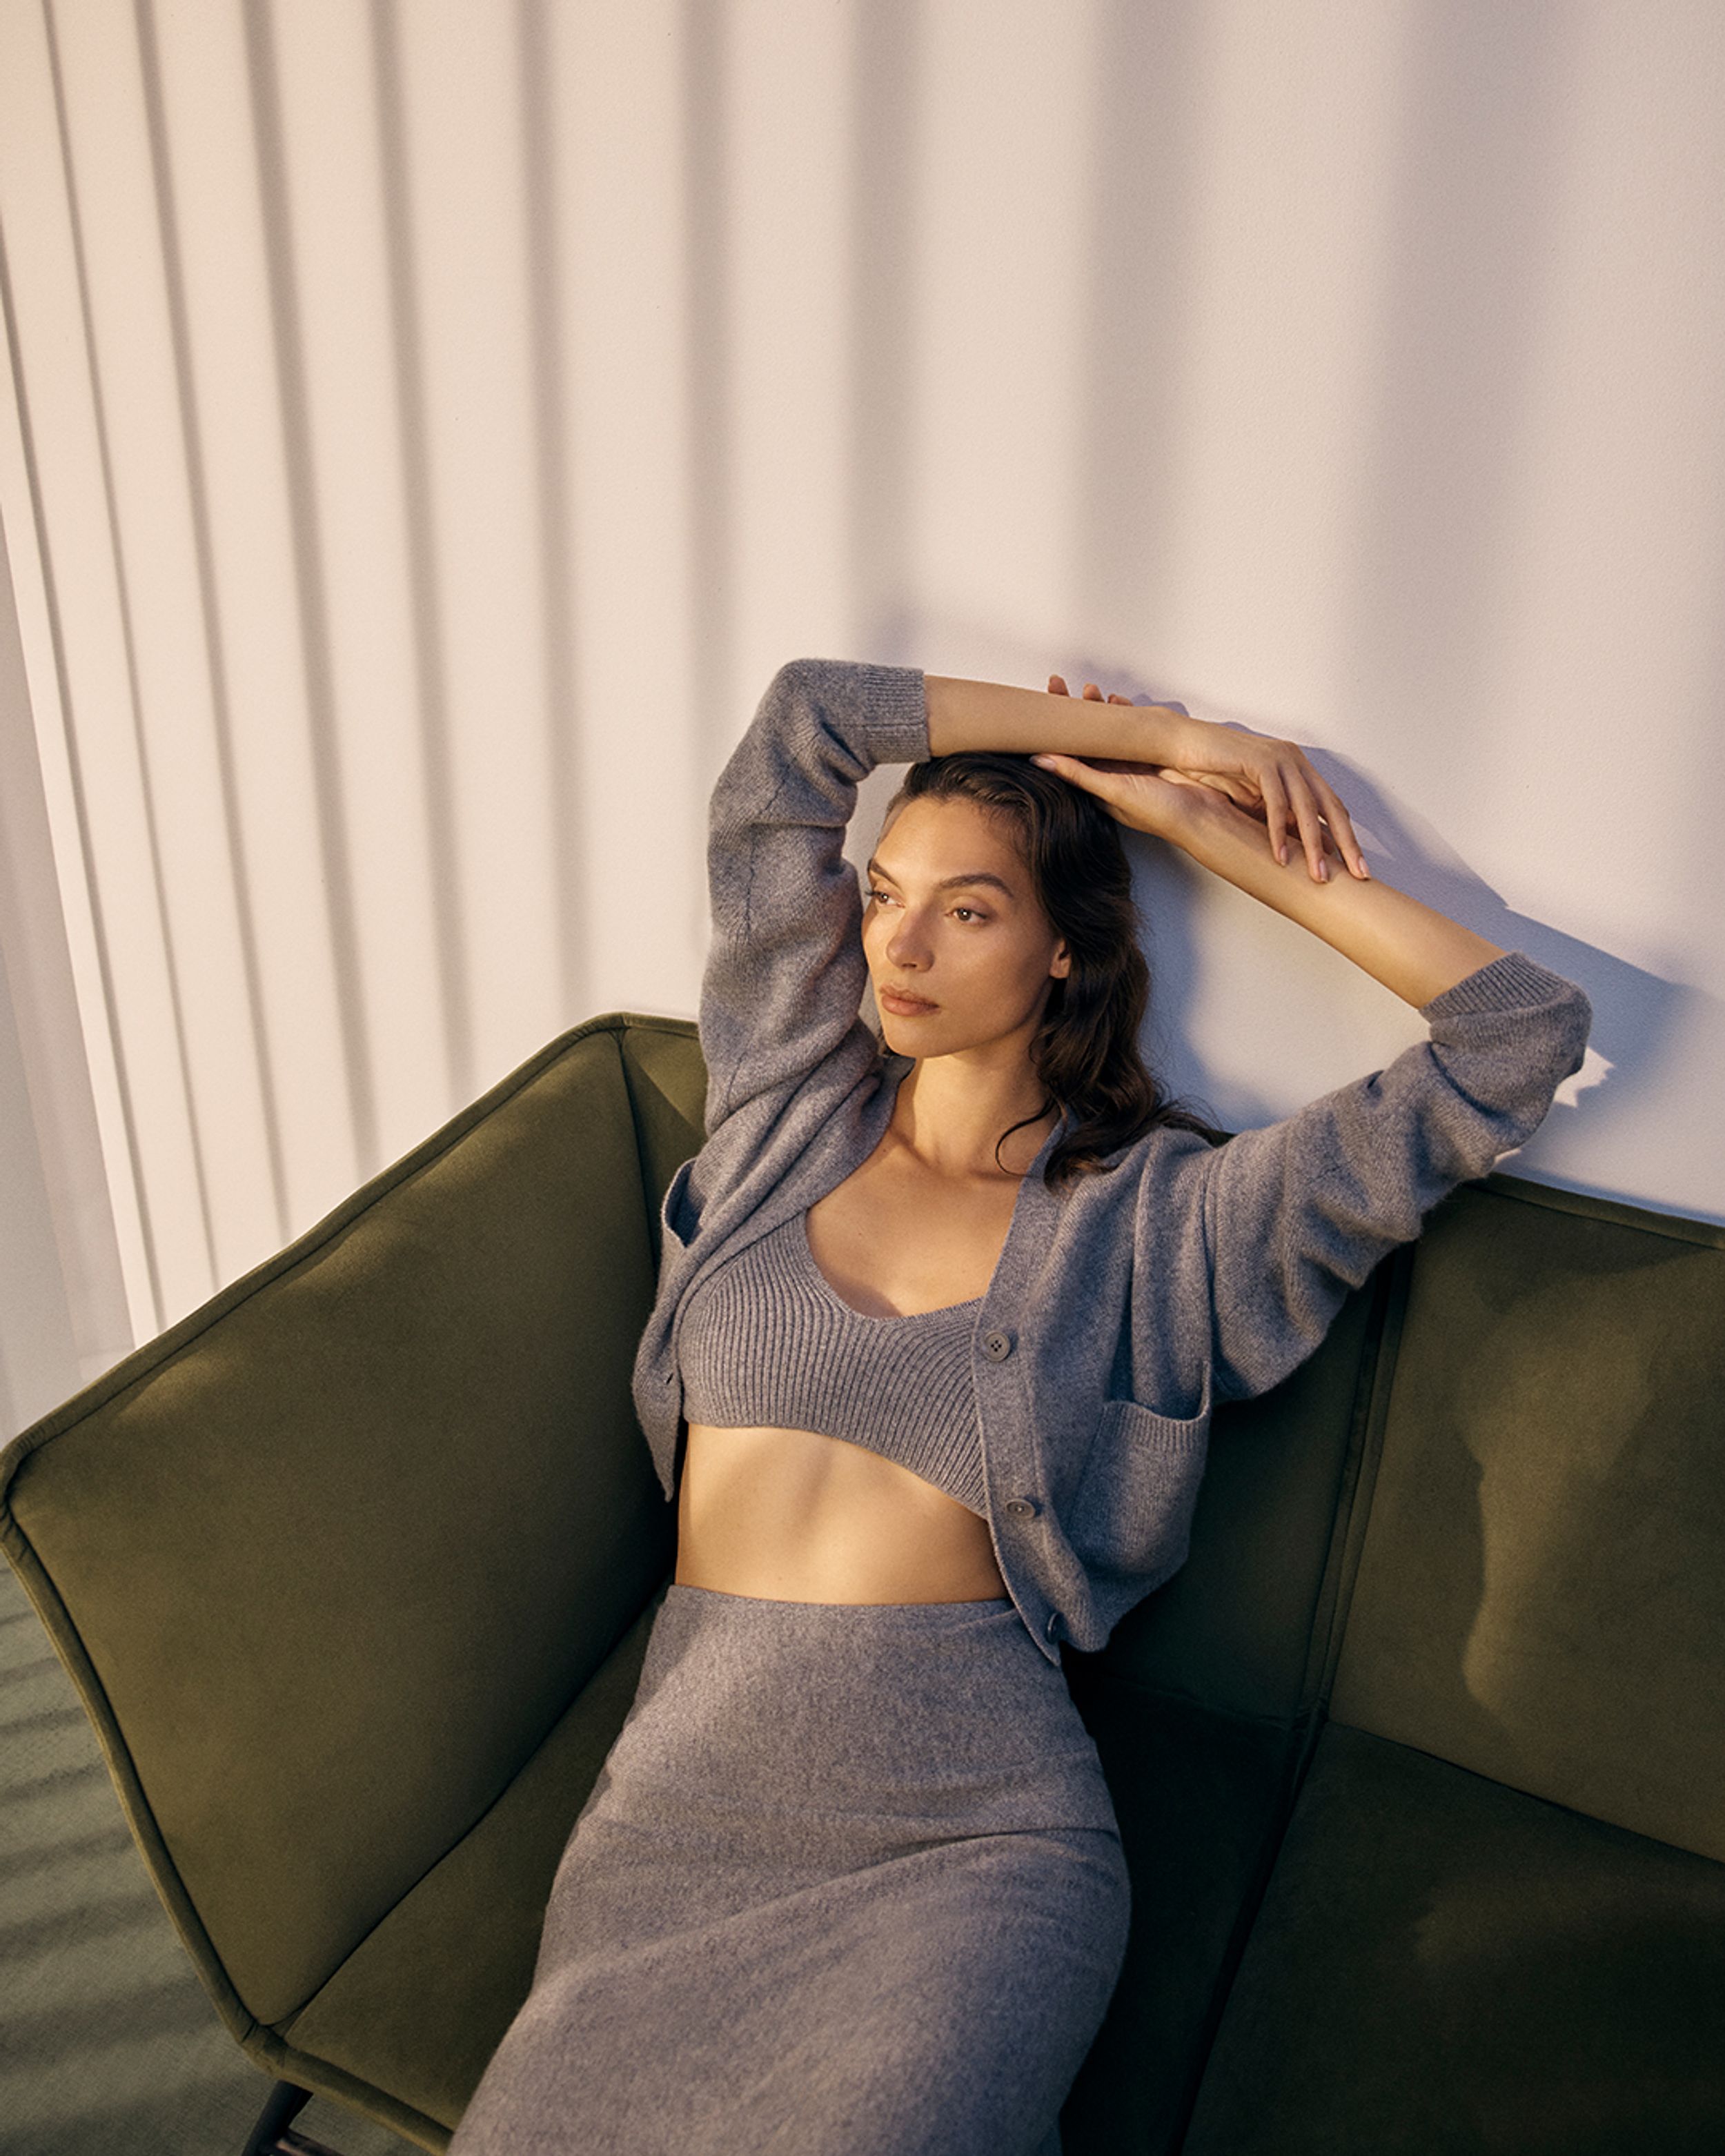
<point x="971" y="911"/>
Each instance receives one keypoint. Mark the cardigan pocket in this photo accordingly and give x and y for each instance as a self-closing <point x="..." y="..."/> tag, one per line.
<point x="1131" y="1512"/>
<point x="676" y="1216"/>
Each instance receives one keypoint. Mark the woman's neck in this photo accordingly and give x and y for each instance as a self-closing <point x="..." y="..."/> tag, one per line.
<point x="952" y="1110"/>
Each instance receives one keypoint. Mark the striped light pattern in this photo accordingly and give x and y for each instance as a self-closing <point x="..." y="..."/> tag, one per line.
<point x="429" y="423"/>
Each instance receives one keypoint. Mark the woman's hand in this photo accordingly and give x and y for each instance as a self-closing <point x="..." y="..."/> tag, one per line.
<point x="1225" y="774"/>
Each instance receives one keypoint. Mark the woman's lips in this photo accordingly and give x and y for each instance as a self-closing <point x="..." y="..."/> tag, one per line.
<point x="903" y="1006"/>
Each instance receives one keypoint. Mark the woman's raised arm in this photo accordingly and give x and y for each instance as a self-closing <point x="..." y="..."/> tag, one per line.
<point x="1195" y="801"/>
<point x="1159" y="746"/>
<point x="1296" y="1214"/>
<point x="785" y="973"/>
<point x="1416" y="951"/>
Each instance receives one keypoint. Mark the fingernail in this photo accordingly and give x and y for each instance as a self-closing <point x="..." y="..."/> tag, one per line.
<point x="1323" y="871"/>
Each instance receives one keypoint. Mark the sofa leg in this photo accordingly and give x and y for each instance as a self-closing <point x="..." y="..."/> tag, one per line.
<point x="272" y="2135"/>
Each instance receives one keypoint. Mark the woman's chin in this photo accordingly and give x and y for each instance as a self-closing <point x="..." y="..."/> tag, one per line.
<point x="905" y="1036"/>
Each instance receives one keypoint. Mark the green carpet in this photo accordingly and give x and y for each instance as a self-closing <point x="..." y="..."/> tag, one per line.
<point x="107" y="2044"/>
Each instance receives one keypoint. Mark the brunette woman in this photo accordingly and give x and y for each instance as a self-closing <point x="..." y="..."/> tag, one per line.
<point x="942" y="1316"/>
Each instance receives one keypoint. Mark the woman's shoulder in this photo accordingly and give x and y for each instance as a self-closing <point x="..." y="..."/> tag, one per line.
<point x="1178" y="1135"/>
<point x="833" y="1103"/>
<point x="1160" y="1172"/>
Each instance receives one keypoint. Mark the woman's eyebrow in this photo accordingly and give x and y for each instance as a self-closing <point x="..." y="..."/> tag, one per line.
<point x="951" y="882"/>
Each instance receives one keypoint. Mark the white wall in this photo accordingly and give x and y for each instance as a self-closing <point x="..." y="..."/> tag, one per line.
<point x="437" y="419"/>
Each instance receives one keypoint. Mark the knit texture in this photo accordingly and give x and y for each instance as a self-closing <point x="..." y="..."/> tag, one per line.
<point x="849" y="1883"/>
<point x="1124" y="1306"/>
<point x="767" y="1343"/>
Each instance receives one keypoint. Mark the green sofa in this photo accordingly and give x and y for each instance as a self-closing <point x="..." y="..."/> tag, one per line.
<point x="1419" y="1761"/>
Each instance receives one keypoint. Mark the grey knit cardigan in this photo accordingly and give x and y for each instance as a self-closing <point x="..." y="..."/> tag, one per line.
<point x="1122" y="1307"/>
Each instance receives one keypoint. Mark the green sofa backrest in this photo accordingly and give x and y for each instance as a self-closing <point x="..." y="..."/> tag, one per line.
<point x="1540" y="1589"/>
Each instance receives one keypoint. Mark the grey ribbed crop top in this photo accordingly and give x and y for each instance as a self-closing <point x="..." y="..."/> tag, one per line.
<point x="767" y="1342"/>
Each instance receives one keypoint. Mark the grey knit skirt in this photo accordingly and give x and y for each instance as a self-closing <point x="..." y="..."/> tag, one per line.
<point x="849" y="1883"/>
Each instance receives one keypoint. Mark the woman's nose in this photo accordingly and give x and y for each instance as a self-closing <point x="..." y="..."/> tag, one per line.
<point x="907" y="945"/>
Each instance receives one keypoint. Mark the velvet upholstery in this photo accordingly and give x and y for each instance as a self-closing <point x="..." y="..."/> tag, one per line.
<point x="1418" y="1761"/>
<point x="1442" y="1963"/>
<point x="406" y="2012"/>
<point x="1541" y="1589"/>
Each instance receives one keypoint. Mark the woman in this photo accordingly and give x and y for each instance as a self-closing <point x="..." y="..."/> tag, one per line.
<point x="942" y="1318"/>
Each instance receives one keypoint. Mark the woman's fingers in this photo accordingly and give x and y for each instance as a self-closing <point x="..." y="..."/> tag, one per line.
<point x="1276" y="811"/>
<point x="1068" y="768"/>
<point x="1275" y="781"/>
<point x="1297" y="800"/>
<point x="1316" y="806"/>
<point x="1311" y="830"/>
<point x="1057" y="687"/>
<point x="1085" y="777"/>
<point x="1341" y="830"/>
<point x="1297" y="820"/>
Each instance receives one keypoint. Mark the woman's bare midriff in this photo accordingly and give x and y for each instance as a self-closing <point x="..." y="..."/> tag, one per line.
<point x="793" y="1516"/>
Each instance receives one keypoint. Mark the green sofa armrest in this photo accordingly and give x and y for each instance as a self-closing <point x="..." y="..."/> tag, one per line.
<point x="329" y="1558"/>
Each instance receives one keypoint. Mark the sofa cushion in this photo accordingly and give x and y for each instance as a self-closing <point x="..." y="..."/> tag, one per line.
<point x="421" y="2005"/>
<point x="1541" y="1589"/>
<point x="1444" y="1965"/>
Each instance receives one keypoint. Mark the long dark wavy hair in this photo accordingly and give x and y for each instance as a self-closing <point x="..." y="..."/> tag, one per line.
<point x="1084" y="1052"/>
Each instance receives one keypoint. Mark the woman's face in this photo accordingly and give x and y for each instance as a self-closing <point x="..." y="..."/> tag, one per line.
<point x="953" y="921"/>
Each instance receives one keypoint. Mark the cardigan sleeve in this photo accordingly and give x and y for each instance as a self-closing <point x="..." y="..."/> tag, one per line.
<point x="1296" y="1214"/>
<point x="785" y="973"/>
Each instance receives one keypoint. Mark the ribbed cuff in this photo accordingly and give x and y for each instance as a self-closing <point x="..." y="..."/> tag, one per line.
<point x="1514" y="982"/>
<point x="895" y="704"/>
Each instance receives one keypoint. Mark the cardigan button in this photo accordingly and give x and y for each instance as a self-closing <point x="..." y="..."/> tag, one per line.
<point x="1053" y="1625"/>
<point x="1022" y="1508"/>
<point x="997" y="1346"/>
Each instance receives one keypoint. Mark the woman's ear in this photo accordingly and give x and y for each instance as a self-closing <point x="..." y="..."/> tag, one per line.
<point x="1061" y="965"/>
